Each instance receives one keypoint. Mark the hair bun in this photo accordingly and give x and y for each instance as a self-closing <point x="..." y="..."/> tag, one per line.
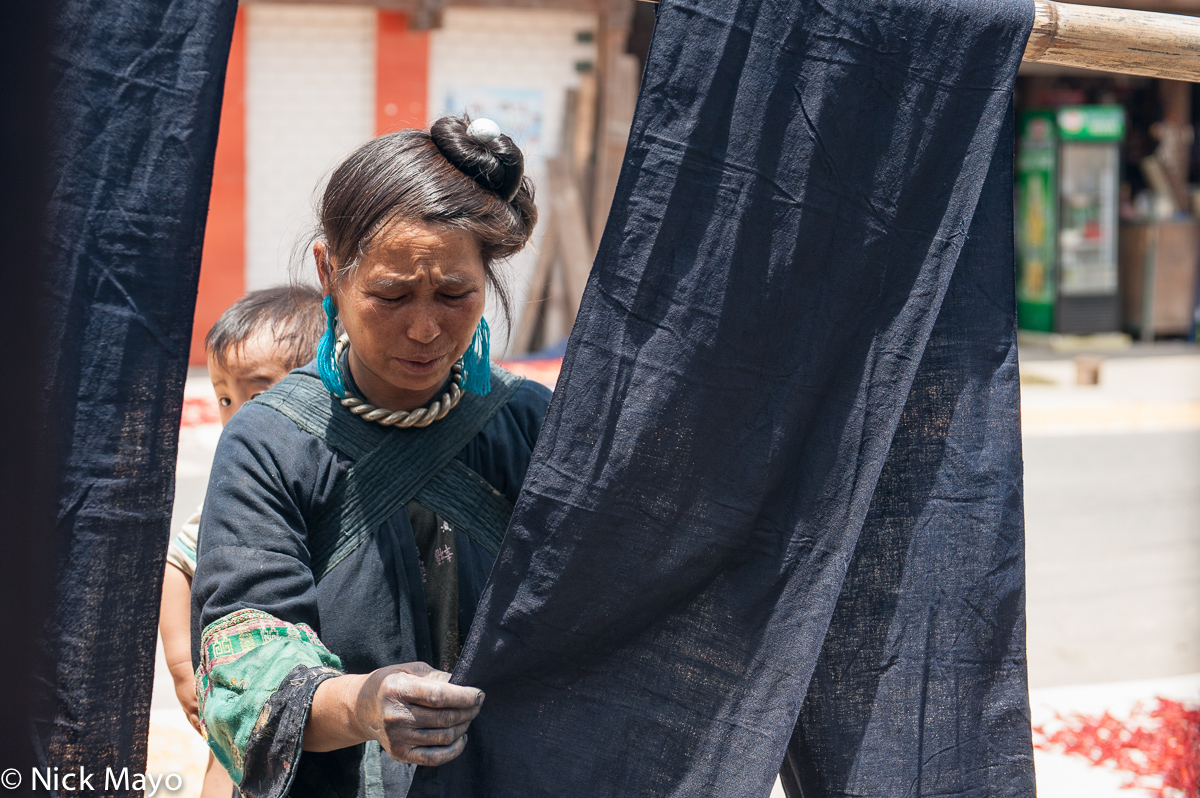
<point x="496" y="165"/>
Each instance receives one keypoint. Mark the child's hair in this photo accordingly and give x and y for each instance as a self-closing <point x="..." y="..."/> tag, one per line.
<point x="291" y="314"/>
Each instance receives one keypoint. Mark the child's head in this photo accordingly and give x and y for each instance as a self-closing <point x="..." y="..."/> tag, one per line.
<point x="259" y="339"/>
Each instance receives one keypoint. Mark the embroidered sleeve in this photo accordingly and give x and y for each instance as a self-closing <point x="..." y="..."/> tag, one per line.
<point x="256" y="681"/>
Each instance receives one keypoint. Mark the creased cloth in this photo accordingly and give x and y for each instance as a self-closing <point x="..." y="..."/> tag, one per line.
<point x="774" y="517"/>
<point x="134" y="106"/>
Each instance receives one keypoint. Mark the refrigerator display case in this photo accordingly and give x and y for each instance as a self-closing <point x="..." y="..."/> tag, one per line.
<point x="1068" y="173"/>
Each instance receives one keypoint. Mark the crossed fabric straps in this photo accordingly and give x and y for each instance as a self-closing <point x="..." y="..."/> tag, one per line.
<point x="393" y="466"/>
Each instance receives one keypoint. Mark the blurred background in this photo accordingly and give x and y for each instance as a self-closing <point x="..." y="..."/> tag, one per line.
<point x="1108" y="246"/>
<point x="307" y="83"/>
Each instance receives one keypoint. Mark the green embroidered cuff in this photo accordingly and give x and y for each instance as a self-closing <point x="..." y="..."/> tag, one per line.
<point x="244" y="658"/>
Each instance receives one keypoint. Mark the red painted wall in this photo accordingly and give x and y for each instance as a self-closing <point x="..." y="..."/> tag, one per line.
<point x="223" y="264"/>
<point x="401" y="74"/>
<point x="401" y="86"/>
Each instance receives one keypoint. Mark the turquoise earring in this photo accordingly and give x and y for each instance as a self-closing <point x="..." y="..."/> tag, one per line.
<point x="327" y="365"/>
<point x="477" y="361"/>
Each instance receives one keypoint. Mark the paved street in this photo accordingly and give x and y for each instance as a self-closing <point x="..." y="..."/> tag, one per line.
<point x="1113" y="548"/>
<point x="1112" y="511"/>
<point x="1112" y="508"/>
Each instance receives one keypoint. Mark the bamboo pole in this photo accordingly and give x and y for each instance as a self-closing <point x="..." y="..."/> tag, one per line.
<point x="1115" y="40"/>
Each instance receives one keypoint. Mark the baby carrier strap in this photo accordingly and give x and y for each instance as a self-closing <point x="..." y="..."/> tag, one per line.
<point x="392" y="466"/>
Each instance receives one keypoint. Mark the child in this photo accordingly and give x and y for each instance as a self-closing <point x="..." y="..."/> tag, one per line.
<point x="254" y="344"/>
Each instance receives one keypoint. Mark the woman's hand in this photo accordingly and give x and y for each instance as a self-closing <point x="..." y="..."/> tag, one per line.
<point x="416" y="714"/>
<point x="412" y="710"/>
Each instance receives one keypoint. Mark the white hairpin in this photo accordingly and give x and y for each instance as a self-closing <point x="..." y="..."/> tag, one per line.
<point x="483" y="130"/>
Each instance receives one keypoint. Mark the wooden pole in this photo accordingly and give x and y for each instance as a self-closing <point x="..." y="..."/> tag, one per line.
<point x="570" y="226"/>
<point x="619" y="78"/>
<point x="540" y="290"/>
<point x="1115" y="40"/>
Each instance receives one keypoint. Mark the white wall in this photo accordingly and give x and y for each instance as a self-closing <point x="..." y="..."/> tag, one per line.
<point x="514" y="65"/>
<point x="310" y="95"/>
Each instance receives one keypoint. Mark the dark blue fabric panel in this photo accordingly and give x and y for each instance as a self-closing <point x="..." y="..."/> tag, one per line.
<point x="135" y="104"/>
<point x="25" y="484"/>
<point x="922" y="674"/>
<point x="755" y="378"/>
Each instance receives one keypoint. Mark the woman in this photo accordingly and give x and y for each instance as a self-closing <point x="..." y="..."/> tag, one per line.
<point x="355" y="510"/>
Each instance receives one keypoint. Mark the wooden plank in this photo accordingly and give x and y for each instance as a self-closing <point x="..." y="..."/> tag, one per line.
<point x="560" y="312"/>
<point x="539" y="293"/>
<point x="574" y="242"/>
<point x="619" y="83"/>
<point x="1115" y="40"/>
<point x="1164" y="6"/>
<point x="582" y="142"/>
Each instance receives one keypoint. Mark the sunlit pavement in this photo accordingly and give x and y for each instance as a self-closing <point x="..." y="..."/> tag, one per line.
<point x="1112" y="508"/>
<point x="1112" y="500"/>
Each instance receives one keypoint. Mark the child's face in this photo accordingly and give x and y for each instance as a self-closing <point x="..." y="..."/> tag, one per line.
<point x="248" y="371"/>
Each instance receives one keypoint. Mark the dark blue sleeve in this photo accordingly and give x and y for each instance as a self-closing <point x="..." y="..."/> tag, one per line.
<point x="267" y="475"/>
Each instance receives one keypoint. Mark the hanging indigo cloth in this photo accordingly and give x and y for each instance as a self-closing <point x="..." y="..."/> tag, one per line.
<point x="134" y="108"/>
<point x="24" y="481"/>
<point x="776" y="506"/>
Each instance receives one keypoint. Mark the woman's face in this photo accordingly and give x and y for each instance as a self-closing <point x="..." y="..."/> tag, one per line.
<point x="410" y="307"/>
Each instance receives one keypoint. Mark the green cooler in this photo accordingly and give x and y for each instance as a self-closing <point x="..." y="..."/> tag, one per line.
<point x="1068" y="173"/>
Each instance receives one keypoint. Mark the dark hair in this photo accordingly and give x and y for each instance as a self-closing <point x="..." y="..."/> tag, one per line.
<point x="438" y="176"/>
<point x="292" y="314"/>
